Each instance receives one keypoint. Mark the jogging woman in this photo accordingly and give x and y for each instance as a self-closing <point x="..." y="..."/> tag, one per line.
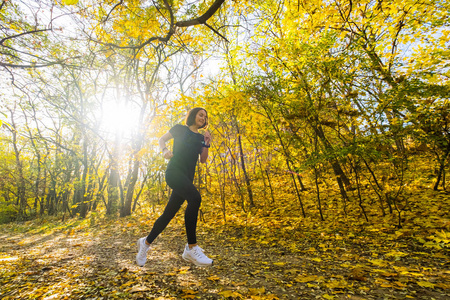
<point x="187" y="146"/>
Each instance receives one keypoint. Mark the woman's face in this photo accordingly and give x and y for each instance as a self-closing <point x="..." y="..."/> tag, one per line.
<point x="200" y="118"/>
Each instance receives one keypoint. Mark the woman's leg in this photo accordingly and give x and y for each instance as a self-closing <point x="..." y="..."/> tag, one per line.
<point x="191" y="215"/>
<point x="182" y="185"/>
<point x="172" y="207"/>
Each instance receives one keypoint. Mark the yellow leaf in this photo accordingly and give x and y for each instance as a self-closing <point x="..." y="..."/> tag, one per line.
<point x="69" y="2"/>
<point x="397" y="254"/>
<point x="213" y="278"/>
<point x="259" y="291"/>
<point x="317" y="259"/>
<point x="400" y="284"/>
<point x="227" y="294"/>
<point x="328" y="297"/>
<point x="426" y="284"/>
<point x="378" y="262"/>
<point x="336" y="284"/>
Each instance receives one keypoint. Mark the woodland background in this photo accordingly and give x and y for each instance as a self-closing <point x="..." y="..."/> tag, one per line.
<point x="330" y="120"/>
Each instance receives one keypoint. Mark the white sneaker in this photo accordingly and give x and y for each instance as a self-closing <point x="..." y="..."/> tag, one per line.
<point x="141" y="256"/>
<point x="196" y="256"/>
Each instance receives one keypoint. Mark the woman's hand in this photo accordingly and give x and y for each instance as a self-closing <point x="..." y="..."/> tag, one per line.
<point x="207" y="136"/>
<point x="167" y="153"/>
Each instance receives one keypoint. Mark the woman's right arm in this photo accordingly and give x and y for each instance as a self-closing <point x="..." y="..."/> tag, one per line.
<point x="162" y="145"/>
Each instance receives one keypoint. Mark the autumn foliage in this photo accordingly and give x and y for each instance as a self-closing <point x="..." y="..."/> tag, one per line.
<point x="328" y="166"/>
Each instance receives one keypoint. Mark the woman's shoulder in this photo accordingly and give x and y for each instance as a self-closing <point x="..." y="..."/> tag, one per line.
<point x="179" y="127"/>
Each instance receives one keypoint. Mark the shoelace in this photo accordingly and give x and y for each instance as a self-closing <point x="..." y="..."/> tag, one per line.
<point x="198" y="252"/>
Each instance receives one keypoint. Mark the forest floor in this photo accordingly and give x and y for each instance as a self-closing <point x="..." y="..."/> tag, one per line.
<point x="254" y="258"/>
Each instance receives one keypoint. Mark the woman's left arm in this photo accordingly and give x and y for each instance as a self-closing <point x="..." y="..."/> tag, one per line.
<point x="205" y="150"/>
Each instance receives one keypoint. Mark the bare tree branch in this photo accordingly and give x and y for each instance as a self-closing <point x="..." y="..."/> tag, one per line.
<point x="21" y="34"/>
<point x="203" y="18"/>
<point x="115" y="6"/>
<point x="3" y="3"/>
<point x="197" y="21"/>
<point x="215" y="31"/>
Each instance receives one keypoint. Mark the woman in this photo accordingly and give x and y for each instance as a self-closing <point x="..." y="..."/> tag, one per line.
<point x="187" y="146"/>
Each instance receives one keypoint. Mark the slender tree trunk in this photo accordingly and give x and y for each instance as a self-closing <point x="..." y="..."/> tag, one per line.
<point x="318" y="194"/>
<point x="113" y="189"/>
<point x="441" y="171"/>
<point x="356" y="168"/>
<point x="316" y="180"/>
<point x="264" y="172"/>
<point x="295" y="186"/>
<point x="126" y="208"/>
<point x="136" y="199"/>
<point x="341" y="178"/>
<point x="244" y="170"/>
<point x="21" y="189"/>
<point x="83" y="187"/>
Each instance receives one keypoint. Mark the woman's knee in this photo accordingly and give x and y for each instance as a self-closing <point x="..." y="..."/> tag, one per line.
<point x="195" y="200"/>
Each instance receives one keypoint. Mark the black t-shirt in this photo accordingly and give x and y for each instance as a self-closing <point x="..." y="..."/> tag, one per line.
<point x="187" y="145"/>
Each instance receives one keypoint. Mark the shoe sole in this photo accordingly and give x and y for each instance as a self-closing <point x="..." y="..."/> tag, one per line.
<point x="197" y="263"/>
<point x="139" y="249"/>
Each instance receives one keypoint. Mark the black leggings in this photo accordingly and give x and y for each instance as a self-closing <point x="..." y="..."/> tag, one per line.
<point x="182" y="189"/>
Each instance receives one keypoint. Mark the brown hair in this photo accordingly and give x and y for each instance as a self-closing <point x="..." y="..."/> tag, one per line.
<point x="190" y="118"/>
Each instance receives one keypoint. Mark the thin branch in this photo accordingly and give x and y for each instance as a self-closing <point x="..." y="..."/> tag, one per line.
<point x="115" y="6"/>
<point x="216" y="32"/>
<point x="24" y="33"/>
<point x="3" y="3"/>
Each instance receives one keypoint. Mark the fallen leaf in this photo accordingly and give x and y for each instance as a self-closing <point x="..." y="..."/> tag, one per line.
<point x="228" y="293"/>
<point x="258" y="291"/>
<point x="426" y="284"/>
<point x="358" y="274"/>
<point x="139" y="288"/>
<point x="213" y="278"/>
<point x="378" y="262"/>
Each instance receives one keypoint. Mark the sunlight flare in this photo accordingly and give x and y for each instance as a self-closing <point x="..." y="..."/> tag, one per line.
<point x="119" y="117"/>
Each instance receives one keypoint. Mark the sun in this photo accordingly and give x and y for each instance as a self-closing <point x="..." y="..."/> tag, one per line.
<point x="119" y="117"/>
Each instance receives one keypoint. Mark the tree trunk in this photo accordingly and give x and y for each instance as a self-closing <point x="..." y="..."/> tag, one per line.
<point x="21" y="189"/>
<point x="126" y="208"/>
<point x="441" y="168"/>
<point x="113" y="190"/>
<point x="244" y="170"/>
<point x="341" y="178"/>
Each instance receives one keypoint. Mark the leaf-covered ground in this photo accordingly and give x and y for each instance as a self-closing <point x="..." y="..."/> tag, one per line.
<point x="255" y="257"/>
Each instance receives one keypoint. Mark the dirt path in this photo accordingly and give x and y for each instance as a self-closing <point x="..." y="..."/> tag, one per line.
<point x="98" y="263"/>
